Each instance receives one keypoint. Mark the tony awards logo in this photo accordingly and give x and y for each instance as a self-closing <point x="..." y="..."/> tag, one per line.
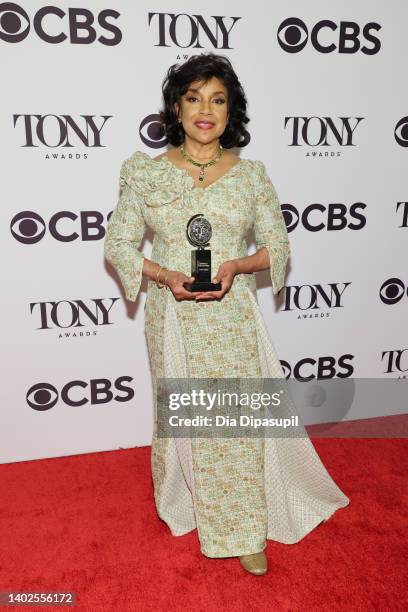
<point x="199" y="232"/>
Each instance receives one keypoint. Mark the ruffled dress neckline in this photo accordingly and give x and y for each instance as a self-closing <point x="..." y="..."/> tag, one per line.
<point x="160" y="182"/>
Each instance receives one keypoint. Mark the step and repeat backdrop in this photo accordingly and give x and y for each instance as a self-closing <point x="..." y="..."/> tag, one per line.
<point x="81" y="91"/>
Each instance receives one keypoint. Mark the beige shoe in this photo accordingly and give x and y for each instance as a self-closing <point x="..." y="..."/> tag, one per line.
<point x="256" y="563"/>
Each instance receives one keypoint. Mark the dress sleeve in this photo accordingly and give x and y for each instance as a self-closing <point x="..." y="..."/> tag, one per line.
<point x="270" y="228"/>
<point x="124" y="233"/>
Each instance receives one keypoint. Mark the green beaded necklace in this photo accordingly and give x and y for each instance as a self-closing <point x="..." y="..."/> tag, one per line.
<point x="201" y="165"/>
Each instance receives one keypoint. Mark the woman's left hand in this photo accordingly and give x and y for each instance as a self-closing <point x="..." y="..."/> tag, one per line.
<point x="225" y="276"/>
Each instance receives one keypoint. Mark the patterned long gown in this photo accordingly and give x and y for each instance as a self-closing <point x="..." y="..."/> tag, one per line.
<point x="236" y="492"/>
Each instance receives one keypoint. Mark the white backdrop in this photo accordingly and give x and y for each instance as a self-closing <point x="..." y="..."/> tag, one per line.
<point x="328" y="106"/>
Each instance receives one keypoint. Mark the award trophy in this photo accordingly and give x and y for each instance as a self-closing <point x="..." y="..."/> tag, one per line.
<point x="199" y="232"/>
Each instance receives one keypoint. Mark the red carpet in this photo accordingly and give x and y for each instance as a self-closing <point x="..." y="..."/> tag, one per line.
<point x="88" y="524"/>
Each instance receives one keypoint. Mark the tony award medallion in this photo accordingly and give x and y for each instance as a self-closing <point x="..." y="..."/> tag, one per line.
<point x="199" y="232"/>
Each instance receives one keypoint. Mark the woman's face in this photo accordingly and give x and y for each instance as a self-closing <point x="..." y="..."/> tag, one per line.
<point x="204" y="110"/>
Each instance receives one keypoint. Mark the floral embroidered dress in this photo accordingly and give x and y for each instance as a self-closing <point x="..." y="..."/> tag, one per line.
<point x="236" y="492"/>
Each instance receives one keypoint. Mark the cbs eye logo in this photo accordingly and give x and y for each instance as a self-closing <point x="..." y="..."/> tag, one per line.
<point x="392" y="291"/>
<point x="327" y="36"/>
<point x="28" y="227"/>
<point x="14" y="22"/>
<point x="151" y="132"/>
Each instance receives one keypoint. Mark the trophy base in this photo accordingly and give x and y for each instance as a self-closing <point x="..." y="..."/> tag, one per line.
<point x="203" y="286"/>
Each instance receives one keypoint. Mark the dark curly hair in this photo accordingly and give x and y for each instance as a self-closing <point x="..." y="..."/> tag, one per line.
<point x="203" y="67"/>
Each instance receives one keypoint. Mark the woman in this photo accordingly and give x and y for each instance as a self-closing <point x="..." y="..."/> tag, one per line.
<point x="236" y="492"/>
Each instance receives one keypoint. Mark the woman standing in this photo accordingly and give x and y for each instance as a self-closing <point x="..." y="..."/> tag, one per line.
<point x="236" y="492"/>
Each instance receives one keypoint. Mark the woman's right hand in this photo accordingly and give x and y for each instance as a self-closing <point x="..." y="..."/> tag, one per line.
<point x="175" y="282"/>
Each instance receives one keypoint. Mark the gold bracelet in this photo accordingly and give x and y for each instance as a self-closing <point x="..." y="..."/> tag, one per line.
<point x="165" y="278"/>
<point x="163" y="284"/>
<point x="157" y="275"/>
<point x="157" y="278"/>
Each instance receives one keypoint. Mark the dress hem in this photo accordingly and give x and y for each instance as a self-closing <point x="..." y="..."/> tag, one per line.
<point x="320" y="519"/>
